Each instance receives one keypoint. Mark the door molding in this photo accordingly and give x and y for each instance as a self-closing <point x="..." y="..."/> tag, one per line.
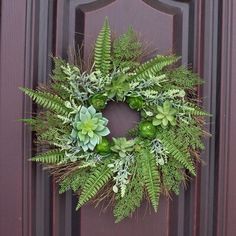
<point x="226" y="191"/>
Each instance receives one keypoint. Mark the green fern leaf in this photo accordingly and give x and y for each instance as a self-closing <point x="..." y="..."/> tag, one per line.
<point x="102" y="55"/>
<point x="191" y="133"/>
<point x="151" y="177"/>
<point x="126" y="50"/>
<point x="180" y="154"/>
<point x="154" y="66"/>
<point x="50" y="157"/>
<point x="47" y="100"/>
<point x="73" y="181"/>
<point x="58" y="74"/>
<point x="49" y="135"/>
<point x="126" y="206"/>
<point x="192" y="109"/>
<point x="29" y="121"/>
<point x="172" y="175"/>
<point x="184" y="78"/>
<point x="95" y="181"/>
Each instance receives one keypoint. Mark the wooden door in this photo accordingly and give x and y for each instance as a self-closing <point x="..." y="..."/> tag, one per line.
<point x="32" y="30"/>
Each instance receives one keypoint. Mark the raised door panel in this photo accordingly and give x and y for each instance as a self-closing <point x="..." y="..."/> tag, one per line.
<point x="160" y="28"/>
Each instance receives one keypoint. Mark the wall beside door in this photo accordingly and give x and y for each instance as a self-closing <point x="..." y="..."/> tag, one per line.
<point x="203" y="32"/>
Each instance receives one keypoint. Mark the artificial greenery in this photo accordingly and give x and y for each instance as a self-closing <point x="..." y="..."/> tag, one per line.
<point x="88" y="128"/>
<point x="158" y="153"/>
<point x="165" y="115"/>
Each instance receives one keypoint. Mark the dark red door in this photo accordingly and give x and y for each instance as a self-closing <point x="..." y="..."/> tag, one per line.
<point x="161" y="27"/>
<point x="200" y="31"/>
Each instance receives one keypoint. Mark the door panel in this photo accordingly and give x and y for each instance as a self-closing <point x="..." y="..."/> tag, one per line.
<point x="160" y="27"/>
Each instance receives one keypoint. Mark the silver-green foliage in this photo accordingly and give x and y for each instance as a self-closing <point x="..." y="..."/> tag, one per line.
<point x="121" y="169"/>
<point x="126" y="206"/>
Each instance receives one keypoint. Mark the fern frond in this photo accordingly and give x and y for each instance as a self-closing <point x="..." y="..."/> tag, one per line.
<point x="95" y="181"/>
<point x="184" y="78"/>
<point x="29" y="121"/>
<point x="126" y="50"/>
<point x="192" y="109"/>
<point x="49" y="135"/>
<point x="50" y="157"/>
<point x="47" y="100"/>
<point x="172" y="176"/>
<point x="180" y="154"/>
<point x="62" y="89"/>
<point x="154" y="66"/>
<point x="151" y="177"/>
<point x="102" y="55"/>
<point x="32" y="122"/>
<point x="191" y="133"/>
<point x="58" y="74"/>
<point x="126" y="206"/>
<point x="74" y="181"/>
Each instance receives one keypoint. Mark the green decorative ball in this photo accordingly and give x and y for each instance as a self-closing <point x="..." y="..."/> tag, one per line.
<point x="98" y="101"/>
<point x="147" y="129"/>
<point x="104" y="146"/>
<point x="135" y="103"/>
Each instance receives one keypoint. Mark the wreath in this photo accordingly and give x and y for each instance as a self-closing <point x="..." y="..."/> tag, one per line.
<point x="156" y="156"/>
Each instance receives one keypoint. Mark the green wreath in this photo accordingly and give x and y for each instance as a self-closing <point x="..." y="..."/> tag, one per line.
<point x="153" y="158"/>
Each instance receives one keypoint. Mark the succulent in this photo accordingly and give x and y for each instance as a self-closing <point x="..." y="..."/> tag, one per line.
<point x="98" y="101"/>
<point x="119" y="87"/>
<point x="122" y="146"/>
<point x="135" y="103"/>
<point x="147" y="129"/>
<point x="89" y="128"/>
<point x="165" y="116"/>
<point x="104" y="146"/>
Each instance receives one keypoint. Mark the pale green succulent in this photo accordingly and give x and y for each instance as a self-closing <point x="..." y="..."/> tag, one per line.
<point x="166" y="115"/>
<point x="122" y="146"/>
<point x="119" y="87"/>
<point x="89" y="128"/>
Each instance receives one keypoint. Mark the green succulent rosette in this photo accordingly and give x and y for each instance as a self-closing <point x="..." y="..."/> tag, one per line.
<point x="121" y="146"/>
<point x="89" y="127"/>
<point x="104" y="147"/>
<point x="98" y="101"/>
<point x="151" y="159"/>
<point x="119" y="87"/>
<point x="135" y="103"/>
<point x="166" y="115"/>
<point x="147" y="129"/>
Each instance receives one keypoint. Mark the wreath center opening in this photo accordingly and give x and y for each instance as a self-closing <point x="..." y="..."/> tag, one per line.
<point x="121" y="118"/>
